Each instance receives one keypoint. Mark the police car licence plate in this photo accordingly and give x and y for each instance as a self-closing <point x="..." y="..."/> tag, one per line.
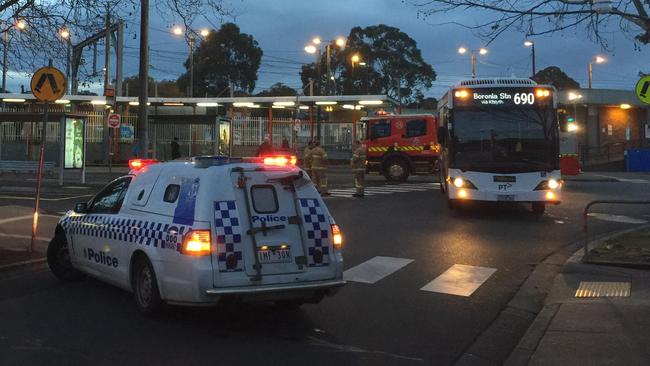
<point x="274" y="255"/>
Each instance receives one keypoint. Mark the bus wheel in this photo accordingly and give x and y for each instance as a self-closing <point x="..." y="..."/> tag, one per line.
<point x="539" y="208"/>
<point x="396" y="170"/>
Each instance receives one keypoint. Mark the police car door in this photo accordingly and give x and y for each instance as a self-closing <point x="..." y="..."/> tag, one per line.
<point x="271" y="231"/>
<point x="95" y="242"/>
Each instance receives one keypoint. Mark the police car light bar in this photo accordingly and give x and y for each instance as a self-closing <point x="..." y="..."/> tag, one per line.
<point x="136" y="164"/>
<point x="280" y="160"/>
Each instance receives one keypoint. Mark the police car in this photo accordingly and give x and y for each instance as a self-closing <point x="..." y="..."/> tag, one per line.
<point x="194" y="232"/>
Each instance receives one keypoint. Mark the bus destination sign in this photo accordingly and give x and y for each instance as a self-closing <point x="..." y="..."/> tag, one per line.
<point x="503" y="97"/>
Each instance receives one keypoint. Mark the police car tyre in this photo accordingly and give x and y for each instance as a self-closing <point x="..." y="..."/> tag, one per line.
<point x="396" y="170"/>
<point x="145" y="287"/>
<point x="538" y="208"/>
<point x="58" y="259"/>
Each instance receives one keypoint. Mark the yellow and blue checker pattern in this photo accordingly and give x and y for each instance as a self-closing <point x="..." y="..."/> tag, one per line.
<point x="131" y="231"/>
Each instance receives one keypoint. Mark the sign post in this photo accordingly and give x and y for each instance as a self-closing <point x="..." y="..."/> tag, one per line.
<point x="48" y="84"/>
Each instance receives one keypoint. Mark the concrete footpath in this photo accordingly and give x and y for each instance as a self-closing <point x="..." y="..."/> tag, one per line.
<point x="612" y="329"/>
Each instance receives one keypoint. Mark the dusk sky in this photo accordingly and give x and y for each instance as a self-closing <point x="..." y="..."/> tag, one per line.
<point x="284" y="27"/>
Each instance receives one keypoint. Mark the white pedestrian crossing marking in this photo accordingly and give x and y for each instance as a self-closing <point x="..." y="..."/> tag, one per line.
<point x="617" y="218"/>
<point x="460" y="280"/>
<point x="375" y="269"/>
<point x="388" y="189"/>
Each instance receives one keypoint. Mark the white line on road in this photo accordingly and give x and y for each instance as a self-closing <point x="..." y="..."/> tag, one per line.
<point x="18" y="236"/>
<point x="617" y="218"/>
<point x="460" y="279"/>
<point x="43" y="199"/>
<point x="375" y="269"/>
<point x="12" y="219"/>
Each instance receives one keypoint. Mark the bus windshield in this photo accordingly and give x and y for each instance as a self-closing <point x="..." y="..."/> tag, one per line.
<point x="505" y="139"/>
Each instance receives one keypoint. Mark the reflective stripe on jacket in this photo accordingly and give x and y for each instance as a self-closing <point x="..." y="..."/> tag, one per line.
<point x="318" y="158"/>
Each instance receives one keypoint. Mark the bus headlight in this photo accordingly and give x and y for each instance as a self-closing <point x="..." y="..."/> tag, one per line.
<point x="553" y="184"/>
<point x="458" y="182"/>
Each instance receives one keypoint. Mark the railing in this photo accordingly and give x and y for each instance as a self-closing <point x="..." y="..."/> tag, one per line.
<point x="585" y="215"/>
<point x="607" y="153"/>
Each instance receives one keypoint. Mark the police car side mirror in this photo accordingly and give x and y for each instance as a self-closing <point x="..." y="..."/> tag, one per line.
<point x="81" y="207"/>
<point x="442" y="135"/>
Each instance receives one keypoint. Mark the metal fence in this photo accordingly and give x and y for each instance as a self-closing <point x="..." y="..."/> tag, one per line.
<point x="194" y="138"/>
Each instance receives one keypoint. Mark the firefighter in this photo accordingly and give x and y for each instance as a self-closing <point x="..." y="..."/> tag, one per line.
<point x="358" y="165"/>
<point x="306" y="157"/>
<point x="319" y="167"/>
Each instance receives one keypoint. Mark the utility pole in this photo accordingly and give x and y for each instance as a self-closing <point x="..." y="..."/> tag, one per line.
<point x="473" y="59"/>
<point x="191" y="91"/>
<point x="143" y="118"/>
<point x="107" y="81"/>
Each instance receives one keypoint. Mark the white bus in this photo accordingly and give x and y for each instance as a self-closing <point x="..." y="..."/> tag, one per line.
<point x="500" y="142"/>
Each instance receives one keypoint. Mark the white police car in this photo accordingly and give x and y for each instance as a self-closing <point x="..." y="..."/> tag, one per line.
<point x="194" y="232"/>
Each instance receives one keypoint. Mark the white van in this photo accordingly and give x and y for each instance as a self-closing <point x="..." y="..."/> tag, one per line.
<point x="193" y="232"/>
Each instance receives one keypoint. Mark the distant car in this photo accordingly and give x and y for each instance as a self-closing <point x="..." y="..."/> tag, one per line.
<point x="190" y="233"/>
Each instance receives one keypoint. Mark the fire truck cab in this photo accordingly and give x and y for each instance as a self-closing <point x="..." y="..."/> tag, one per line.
<point x="400" y="145"/>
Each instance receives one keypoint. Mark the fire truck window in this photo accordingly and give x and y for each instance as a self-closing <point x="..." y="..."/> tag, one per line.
<point x="380" y="128"/>
<point x="416" y="127"/>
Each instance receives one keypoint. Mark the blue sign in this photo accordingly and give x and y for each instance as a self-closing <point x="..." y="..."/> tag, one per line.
<point x="126" y="132"/>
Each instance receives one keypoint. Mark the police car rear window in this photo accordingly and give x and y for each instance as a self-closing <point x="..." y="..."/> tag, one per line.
<point x="171" y="193"/>
<point x="265" y="199"/>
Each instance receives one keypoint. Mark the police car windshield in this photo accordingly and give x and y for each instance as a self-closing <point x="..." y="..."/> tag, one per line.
<point x="524" y="139"/>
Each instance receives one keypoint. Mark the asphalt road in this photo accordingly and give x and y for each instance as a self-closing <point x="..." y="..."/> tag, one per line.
<point x="389" y="322"/>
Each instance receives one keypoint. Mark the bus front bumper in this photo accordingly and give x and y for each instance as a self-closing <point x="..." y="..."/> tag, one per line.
<point x="546" y="196"/>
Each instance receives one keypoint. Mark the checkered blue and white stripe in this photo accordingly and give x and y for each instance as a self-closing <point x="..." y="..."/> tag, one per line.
<point x="130" y="231"/>
<point x="317" y="228"/>
<point x="229" y="235"/>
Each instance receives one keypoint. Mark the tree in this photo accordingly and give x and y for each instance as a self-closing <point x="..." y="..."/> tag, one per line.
<point x="223" y="57"/>
<point x="393" y="64"/>
<point x="553" y="75"/>
<point x="422" y="102"/>
<point x="278" y="90"/>
<point x="30" y="48"/>
<point x="166" y="88"/>
<point x="549" y="16"/>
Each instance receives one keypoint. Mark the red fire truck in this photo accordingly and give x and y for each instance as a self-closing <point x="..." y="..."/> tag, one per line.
<point x="401" y="145"/>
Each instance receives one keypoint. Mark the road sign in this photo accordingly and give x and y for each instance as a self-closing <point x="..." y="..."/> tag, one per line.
<point x="114" y="120"/>
<point x="48" y="84"/>
<point x="643" y="89"/>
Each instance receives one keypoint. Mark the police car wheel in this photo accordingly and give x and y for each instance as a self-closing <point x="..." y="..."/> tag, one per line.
<point x="145" y="288"/>
<point x="58" y="259"/>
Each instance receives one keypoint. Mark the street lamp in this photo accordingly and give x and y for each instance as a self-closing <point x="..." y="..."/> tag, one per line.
<point x="65" y="35"/>
<point x="482" y="51"/>
<point x="21" y="26"/>
<point x="598" y="60"/>
<point x="531" y="44"/>
<point x="314" y="48"/>
<point x="178" y="31"/>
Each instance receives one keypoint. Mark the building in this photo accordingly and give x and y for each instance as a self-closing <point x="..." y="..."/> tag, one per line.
<point x="609" y="121"/>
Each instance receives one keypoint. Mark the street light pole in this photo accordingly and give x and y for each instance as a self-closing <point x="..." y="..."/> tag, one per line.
<point x="591" y="72"/>
<point x="473" y="58"/>
<point x="191" y="91"/>
<point x="4" y="62"/>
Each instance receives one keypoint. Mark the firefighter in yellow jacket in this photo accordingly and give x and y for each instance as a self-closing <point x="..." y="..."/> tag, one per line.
<point x="306" y="157"/>
<point x="319" y="168"/>
<point x="358" y="165"/>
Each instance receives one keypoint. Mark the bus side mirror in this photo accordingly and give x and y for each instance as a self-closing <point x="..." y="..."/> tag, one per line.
<point x="442" y="135"/>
